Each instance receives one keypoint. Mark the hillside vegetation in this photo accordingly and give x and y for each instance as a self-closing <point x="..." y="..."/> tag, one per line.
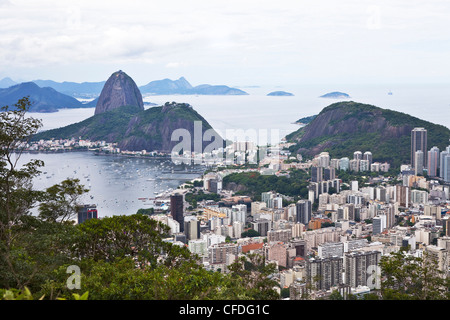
<point x="345" y="127"/>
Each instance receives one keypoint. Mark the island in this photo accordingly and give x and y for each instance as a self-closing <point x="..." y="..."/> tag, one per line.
<point x="335" y="95"/>
<point x="280" y="94"/>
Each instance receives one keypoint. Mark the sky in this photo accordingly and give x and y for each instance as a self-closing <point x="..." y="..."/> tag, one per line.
<point x="236" y="43"/>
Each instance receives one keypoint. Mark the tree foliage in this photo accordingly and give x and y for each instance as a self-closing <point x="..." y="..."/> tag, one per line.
<point x="254" y="183"/>
<point x="408" y="277"/>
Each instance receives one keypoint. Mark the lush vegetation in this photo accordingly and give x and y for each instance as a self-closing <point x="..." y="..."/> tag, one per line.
<point x="254" y="183"/>
<point x="390" y="143"/>
<point x="127" y="123"/>
<point x="406" y="277"/>
<point x="306" y="120"/>
<point x="97" y="127"/>
<point x="196" y="196"/>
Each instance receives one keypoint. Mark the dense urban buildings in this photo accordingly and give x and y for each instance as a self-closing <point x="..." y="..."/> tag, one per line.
<point x="333" y="239"/>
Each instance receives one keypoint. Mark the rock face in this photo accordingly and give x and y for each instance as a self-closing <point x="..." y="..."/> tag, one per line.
<point x="119" y="90"/>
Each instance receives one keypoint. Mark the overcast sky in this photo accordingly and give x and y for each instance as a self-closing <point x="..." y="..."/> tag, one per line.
<point x="227" y="42"/>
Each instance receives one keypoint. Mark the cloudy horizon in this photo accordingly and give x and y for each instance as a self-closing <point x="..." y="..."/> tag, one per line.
<point x="236" y="43"/>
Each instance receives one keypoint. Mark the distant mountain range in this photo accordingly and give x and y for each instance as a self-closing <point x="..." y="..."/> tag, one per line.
<point x="43" y="99"/>
<point x="182" y="86"/>
<point x="78" y="90"/>
<point x="157" y="87"/>
<point x="49" y="96"/>
<point x="6" y="83"/>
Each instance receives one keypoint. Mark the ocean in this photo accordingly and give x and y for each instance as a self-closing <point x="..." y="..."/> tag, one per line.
<point x="116" y="183"/>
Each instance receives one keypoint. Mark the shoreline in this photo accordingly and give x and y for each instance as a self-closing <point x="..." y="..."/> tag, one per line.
<point x="95" y="152"/>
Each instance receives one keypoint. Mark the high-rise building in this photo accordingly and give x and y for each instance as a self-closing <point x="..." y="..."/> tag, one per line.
<point x="344" y="163"/>
<point x="277" y="251"/>
<point x="378" y="224"/>
<point x="368" y="156"/>
<point x="418" y="162"/>
<point x="359" y="266"/>
<point x="177" y="209"/>
<point x="446" y="167"/>
<point x="364" y="165"/>
<point x="323" y="274"/>
<point x="304" y="211"/>
<point x="316" y="174"/>
<point x="433" y="161"/>
<point x="222" y="253"/>
<point x="329" y="173"/>
<point x="256" y="207"/>
<point x="353" y="165"/>
<point x="442" y="164"/>
<point x="215" y="186"/>
<point x="86" y="212"/>
<point x="262" y="226"/>
<point x="331" y="249"/>
<point x="282" y="235"/>
<point x="357" y="155"/>
<point x="268" y="197"/>
<point x="191" y="227"/>
<point x="447" y="227"/>
<point x="300" y="247"/>
<point x="334" y="163"/>
<point x="439" y="255"/>
<point x="239" y="213"/>
<point x="418" y="142"/>
<point x="323" y="160"/>
<point x="403" y="195"/>
<point x="390" y="215"/>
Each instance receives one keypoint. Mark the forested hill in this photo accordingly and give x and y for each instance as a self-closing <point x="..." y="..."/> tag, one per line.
<point x="134" y="129"/>
<point x="345" y="127"/>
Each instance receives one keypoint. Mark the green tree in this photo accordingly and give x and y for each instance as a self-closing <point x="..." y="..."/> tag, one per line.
<point x="250" y="277"/>
<point x="250" y="233"/>
<point x="62" y="201"/>
<point x="407" y="277"/>
<point x="136" y="236"/>
<point x="16" y="194"/>
<point x="30" y="247"/>
<point x="335" y="295"/>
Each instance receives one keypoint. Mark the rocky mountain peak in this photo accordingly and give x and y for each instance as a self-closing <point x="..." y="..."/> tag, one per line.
<point x="119" y="90"/>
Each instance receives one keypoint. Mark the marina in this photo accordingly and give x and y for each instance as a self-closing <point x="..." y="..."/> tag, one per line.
<point x="117" y="185"/>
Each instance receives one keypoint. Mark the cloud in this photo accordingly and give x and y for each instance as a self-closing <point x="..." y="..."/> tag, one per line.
<point x="320" y="36"/>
